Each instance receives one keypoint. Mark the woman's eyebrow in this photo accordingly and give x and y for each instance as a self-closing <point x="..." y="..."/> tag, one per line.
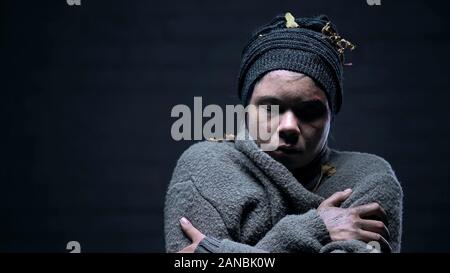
<point x="268" y="100"/>
<point x="312" y="102"/>
<point x="273" y="100"/>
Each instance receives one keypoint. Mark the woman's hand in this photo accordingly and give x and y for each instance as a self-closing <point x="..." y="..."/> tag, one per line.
<point x="192" y="233"/>
<point x="354" y="223"/>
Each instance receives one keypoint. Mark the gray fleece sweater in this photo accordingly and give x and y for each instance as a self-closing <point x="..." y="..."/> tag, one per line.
<point x="245" y="201"/>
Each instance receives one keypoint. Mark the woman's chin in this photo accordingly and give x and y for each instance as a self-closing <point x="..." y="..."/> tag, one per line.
<point x="290" y="161"/>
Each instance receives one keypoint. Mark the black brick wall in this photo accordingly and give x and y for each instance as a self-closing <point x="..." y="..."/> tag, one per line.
<point x="87" y="92"/>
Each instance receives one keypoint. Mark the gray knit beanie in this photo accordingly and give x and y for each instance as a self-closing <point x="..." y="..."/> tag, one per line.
<point x="310" y="46"/>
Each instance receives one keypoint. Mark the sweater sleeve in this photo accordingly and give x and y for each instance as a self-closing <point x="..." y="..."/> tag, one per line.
<point x="293" y="233"/>
<point x="384" y="189"/>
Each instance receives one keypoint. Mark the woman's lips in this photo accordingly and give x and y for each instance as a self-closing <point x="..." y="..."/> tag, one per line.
<point x="288" y="150"/>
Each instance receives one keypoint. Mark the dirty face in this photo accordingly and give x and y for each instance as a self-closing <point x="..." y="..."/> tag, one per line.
<point x="300" y="130"/>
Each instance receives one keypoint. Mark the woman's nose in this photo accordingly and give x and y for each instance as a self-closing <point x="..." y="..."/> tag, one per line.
<point x="289" y="129"/>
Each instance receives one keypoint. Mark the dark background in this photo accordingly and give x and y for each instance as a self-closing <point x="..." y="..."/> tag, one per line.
<point x="87" y="93"/>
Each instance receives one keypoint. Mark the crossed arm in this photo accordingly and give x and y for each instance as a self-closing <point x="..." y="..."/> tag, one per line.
<point x="344" y="222"/>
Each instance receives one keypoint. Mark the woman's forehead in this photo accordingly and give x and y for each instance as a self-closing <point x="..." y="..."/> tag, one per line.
<point x="285" y="84"/>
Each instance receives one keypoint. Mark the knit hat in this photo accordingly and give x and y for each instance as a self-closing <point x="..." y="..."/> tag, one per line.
<point x="310" y="46"/>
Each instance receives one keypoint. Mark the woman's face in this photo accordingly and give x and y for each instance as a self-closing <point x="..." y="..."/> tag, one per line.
<point x="300" y="130"/>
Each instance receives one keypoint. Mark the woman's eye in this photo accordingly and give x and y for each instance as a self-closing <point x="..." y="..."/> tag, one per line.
<point x="311" y="112"/>
<point x="273" y="109"/>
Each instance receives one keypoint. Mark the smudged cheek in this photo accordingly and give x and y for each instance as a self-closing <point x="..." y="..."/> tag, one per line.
<point x="314" y="133"/>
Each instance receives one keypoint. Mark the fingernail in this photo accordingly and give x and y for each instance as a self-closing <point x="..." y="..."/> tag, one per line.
<point x="348" y="190"/>
<point x="184" y="221"/>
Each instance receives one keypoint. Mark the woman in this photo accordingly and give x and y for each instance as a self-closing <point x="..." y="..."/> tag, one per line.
<point x="232" y="196"/>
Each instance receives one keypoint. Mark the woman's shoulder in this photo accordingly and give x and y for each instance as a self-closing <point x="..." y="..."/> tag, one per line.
<point x="359" y="167"/>
<point x="218" y="172"/>
<point x="363" y="170"/>
<point x="360" y="162"/>
<point x="209" y="162"/>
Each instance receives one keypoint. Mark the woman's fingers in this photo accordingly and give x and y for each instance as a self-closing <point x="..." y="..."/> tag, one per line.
<point x="375" y="226"/>
<point x="371" y="210"/>
<point x="191" y="232"/>
<point x="336" y="199"/>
